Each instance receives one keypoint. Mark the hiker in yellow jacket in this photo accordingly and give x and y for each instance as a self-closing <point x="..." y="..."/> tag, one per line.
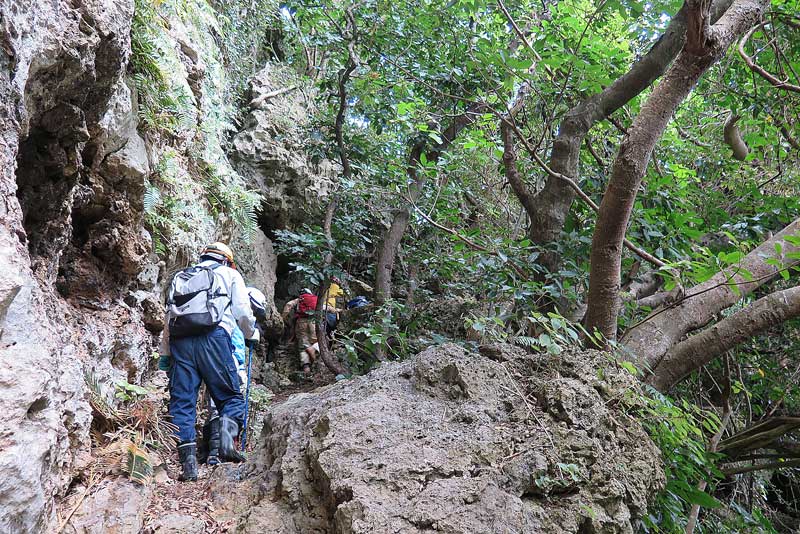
<point x="331" y="309"/>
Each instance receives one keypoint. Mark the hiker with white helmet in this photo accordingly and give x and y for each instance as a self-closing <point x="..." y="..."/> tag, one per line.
<point x="205" y="303"/>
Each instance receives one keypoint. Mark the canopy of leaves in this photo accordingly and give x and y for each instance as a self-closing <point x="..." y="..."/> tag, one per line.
<point x="421" y="64"/>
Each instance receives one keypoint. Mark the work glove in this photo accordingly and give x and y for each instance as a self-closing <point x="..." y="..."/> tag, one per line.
<point x="253" y="340"/>
<point x="164" y="362"/>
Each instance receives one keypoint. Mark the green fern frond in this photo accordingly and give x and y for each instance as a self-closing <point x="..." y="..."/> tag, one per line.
<point x="526" y="341"/>
<point x="152" y="198"/>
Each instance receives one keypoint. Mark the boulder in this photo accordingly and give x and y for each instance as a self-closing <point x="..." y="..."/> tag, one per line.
<point x="116" y="507"/>
<point x="458" y="442"/>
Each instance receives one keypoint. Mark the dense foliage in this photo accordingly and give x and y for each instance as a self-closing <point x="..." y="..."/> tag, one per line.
<point x="427" y="88"/>
<point x="423" y="64"/>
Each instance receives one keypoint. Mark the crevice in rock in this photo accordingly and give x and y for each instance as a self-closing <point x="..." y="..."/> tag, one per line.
<point x="586" y="526"/>
<point x="46" y="178"/>
<point x="36" y="407"/>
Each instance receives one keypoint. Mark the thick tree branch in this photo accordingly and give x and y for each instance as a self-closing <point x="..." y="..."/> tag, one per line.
<point x="750" y="61"/>
<point x="259" y="101"/>
<point x="664" y="298"/>
<point x="641" y="287"/>
<point x="704" y="347"/>
<point x="789" y="139"/>
<point x="705" y="46"/>
<point x="397" y="228"/>
<point x="760" y="435"/>
<point x="509" y="122"/>
<point x="651" y="339"/>
<point x="760" y="467"/>
<point x="555" y="199"/>
<point x="520" y="188"/>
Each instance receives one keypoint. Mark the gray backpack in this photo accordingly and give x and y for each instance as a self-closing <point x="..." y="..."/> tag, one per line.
<point x="196" y="301"/>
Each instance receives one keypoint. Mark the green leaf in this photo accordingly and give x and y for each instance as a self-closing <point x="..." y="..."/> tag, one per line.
<point x="793" y="239"/>
<point x="628" y="366"/>
<point x="701" y="498"/>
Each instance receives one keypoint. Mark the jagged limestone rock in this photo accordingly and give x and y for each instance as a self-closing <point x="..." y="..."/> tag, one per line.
<point x="74" y="169"/>
<point x="79" y="283"/>
<point x="458" y="442"/>
<point x="258" y="263"/>
<point x="272" y="150"/>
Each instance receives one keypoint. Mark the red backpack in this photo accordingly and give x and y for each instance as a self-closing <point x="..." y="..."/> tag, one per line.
<point x="306" y="305"/>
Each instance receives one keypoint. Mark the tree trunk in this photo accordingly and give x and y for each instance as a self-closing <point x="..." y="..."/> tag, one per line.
<point x="394" y="235"/>
<point x="330" y="361"/>
<point x="520" y="188"/>
<point x="705" y="45"/>
<point x="350" y="65"/>
<point x="553" y="202"/>
<point x="702" y="348"/>
<point x="651" y="339"/>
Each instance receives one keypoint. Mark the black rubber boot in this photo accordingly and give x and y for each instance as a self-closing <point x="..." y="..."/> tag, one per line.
<point x="228" y="430"/>
<point x="188" y="454"/>
<point x="213" y="442"/>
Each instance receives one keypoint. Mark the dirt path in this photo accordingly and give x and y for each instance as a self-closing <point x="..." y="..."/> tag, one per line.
<point x="185" y="506"/>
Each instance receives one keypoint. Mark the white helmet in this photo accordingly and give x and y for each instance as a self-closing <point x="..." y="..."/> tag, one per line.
<point x="258" y="302"/>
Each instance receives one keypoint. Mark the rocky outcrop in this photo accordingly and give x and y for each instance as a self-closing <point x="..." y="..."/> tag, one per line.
<point x="116" y="507"/>
<point x="72" y="176"/>
<point x="456" y="442"/>
<point x="274" y="152"/>
<point x="258" y="263"/>
<point x="80" y="282"/>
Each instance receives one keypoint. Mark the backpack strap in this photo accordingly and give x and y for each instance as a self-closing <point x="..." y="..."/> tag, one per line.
<point x="211" y="269"/>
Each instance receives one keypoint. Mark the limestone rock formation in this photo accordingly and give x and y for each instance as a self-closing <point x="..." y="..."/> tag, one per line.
<point x="273" y="150"/>
<point x="80" y="283"/>
<point x="72" y="171"/>
<point x="458" y="442"/>
<point x="117" y="507"/>
<point x="258" y="262"/>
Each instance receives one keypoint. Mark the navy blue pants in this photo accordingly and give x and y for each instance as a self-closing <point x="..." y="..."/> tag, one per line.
<point x="204" y="358"/>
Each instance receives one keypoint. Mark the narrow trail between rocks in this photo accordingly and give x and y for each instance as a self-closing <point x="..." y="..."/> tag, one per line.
<point x="189" y="507"/>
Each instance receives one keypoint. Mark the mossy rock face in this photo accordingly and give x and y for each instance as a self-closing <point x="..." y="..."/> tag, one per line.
<point x="91" y="190"/>
<point x="459" y="442"/>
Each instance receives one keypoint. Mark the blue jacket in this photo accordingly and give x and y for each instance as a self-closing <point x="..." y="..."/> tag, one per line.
<point x="237" y="338"/>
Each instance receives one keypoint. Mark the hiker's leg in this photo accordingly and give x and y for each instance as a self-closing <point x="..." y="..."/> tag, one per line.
<point x="304" y="339"/>
<point x="219" y="373"/>
<point x="184" y="381"/>
<point x="331" y="321"/>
